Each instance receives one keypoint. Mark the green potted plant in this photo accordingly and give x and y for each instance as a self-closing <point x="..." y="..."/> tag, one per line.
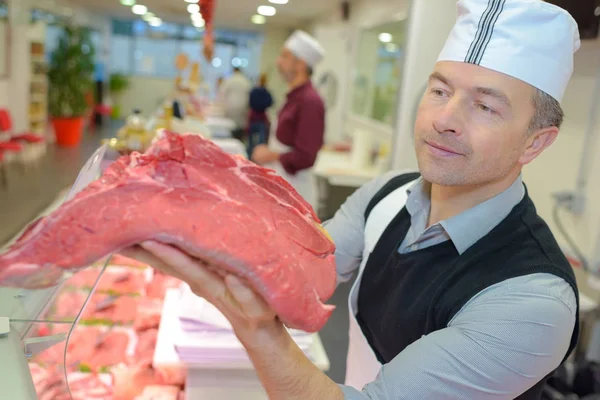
<point x="70" y="78"/>
<point x="118" y="84"/>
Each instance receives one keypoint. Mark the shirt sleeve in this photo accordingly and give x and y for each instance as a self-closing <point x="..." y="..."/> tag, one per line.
<point x="347" y="226"/>
<point x="504" y="341"/>
<point x="309" y="138"/>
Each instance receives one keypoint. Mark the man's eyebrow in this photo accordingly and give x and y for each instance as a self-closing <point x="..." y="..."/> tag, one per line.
<point x="439" y="77"/>
<point x="497" y="94"/>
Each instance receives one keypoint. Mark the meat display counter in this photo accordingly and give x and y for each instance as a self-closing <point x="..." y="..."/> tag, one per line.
<point x="22" y="314"/>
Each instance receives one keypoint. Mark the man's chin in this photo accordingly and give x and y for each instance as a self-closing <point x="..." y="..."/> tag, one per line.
<point x="442" y="176"/>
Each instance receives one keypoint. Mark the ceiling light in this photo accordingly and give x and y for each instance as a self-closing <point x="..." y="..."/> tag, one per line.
<point x="148" y="16"/>
<point x="155" y="22"/>
<point x="258" y="19"/>
<point x="198" y="23"/>
<point x="216" y="62"/>
<point x="193" y="8"/>
<point x="191" y="1"/>
<point x="139" y="9"/>
<point x="128" y="2"/>
<point x="385" y="37"/>
<point x="267" y="11"/>
<point x="196" y="17"/>
<point x="278" y="1"/>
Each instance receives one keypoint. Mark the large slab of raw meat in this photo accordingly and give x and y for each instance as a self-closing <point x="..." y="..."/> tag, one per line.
<point x="185" y="191"/>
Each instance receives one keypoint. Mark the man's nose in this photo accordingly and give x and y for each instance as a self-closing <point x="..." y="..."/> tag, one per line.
<point x="450" y="117"/>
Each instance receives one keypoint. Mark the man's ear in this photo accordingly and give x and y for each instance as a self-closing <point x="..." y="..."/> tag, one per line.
<point x="537" y="142"/>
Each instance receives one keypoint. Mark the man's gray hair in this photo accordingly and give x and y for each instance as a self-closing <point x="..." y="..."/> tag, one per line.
<point x="548" y="112"/>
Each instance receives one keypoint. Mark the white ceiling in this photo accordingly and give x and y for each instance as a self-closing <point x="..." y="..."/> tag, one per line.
<point x="228" y="14"/>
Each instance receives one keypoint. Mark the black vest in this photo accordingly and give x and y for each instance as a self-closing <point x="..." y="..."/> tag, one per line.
<point x="405" y="296"/>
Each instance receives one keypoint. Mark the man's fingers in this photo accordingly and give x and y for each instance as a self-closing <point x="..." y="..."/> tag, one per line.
<point x="141" y="255"/>
<point x="191" y="271"/>
<point x="252" y="304"/>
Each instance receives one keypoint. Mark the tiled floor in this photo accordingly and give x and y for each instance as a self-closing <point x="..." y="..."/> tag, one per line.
<point x="31" y="192"/>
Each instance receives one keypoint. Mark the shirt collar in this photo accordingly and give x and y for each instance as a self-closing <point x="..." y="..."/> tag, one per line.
<point x="466" y="228"/>
<point x="299" y="90"/>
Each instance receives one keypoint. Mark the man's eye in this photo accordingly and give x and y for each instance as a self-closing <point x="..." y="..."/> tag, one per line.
<point x="437" y="92"/>
<point x="485" y="108"/>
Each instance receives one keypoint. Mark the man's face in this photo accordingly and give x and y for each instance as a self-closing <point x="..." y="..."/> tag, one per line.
<point x="472" y="125"/>
<point x="288" y="65"/>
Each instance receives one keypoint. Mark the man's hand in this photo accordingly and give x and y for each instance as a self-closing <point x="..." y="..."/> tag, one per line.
<point x="263" y="155"/>
<point x="285" y="372"/>
<point x="246" y="311"/>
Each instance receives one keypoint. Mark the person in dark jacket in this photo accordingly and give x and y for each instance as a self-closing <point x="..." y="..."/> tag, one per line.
<point x="258" y="120"/>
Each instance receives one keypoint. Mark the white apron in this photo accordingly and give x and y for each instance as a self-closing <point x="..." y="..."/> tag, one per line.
<point x="303" y="181"/>
<point x="362" y="365"/>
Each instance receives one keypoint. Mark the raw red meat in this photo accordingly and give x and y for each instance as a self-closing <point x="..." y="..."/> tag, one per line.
<point x="160" y="284"/>
<point x="117" y="280"/>
<point x="93" y="347"/>
<point x="187" y="192"/>
<point x="144" y="350"/>
<point x="159" y="393"/>
<point x="121" y="310"/>
<point x="81" y="345"/>
<point x="130" y="382"/>
<point x="148" y="314"/>
<point x="109" y="350"/>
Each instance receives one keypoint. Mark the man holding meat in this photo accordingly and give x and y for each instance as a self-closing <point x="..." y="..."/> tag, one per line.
<point x="462" y="290"/>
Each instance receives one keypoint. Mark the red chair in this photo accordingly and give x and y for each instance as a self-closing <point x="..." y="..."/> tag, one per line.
<point x="29" y="146"/>
<point x="6" y="126"/>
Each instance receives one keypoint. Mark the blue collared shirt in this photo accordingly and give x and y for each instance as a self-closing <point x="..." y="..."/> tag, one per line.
<point x="503" y="341"/>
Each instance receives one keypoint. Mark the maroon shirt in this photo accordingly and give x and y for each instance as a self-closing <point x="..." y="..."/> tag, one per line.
<point x="301" y="126"/>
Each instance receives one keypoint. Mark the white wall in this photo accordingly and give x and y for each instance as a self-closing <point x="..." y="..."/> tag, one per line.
<point x="341" y="50"/>
<point x="557" y="168"/>
<point x="273" y="41"/>
<point x="336" y="40"/>
<point x="146" y="94"/>
<point x="3" y="92"/>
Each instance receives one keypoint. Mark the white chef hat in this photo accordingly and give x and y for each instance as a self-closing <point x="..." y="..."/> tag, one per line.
<point x="530" y="40"/>
<point x="305" y="47"/>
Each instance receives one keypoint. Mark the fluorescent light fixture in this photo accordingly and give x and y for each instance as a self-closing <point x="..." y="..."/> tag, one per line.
<point x="155" y="22"/>
<point x="258" y="19"/>
<point x="196" y="17"/>
<point x="193" y="8"/>
<point x="148" y="16"/>
<point x="278" y="1"/>
<point x="139" y="9"/>
<point x="128" y="2"/>
<point x="216" y="62"/>
<point x="191" y="1"/>
<point x="267" y="11"/>
<point x="199" y="23"/>
<point x="385" y="37"/>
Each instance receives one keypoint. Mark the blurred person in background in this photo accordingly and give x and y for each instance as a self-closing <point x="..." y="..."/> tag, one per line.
<point x="300" y="130"/>
<point x="258" y="120"/>
<point x="236" y="91"/>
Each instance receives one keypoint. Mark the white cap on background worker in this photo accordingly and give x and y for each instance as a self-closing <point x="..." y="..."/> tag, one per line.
<point x="305" y="47"/>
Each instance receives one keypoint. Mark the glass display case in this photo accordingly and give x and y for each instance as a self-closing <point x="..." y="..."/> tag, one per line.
<point x="36" y="324"/>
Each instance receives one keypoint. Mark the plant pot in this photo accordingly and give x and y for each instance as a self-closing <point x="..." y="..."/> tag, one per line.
<point x="68" y="131"/>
